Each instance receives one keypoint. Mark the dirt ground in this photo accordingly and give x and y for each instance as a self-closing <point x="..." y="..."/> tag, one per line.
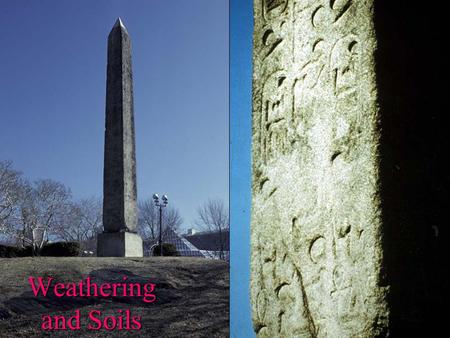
<point x="192" y="296"/>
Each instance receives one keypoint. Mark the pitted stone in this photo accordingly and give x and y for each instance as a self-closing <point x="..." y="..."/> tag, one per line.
<point x="315" y="230"/>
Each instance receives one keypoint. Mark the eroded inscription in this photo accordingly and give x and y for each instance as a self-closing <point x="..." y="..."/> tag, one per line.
<point x="315" y="217"/>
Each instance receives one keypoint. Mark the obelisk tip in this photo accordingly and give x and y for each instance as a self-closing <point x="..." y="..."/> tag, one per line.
<point x="119" y="23"/>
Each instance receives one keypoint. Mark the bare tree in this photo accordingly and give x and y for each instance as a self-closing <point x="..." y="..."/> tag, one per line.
<point x="43" y="208"/>
<point x="13" y="189"/>
<point x="81" y="223"/>
<point x="31" y="213"/>
<point x="10" y="191"/>
<point x="171" y="218"/>
<point x="148" y="219"/>
<point x="213" y="217"/>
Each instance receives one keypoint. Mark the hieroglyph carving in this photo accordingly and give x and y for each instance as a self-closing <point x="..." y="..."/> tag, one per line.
<point x="316" y="248"/>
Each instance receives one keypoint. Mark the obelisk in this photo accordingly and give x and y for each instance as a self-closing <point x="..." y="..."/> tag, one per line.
<point x="119" y="237"/>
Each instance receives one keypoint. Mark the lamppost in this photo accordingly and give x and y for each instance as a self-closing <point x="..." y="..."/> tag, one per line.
<point x="164" y="203"/>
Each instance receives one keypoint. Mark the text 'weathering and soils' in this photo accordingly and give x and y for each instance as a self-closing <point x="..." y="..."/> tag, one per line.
<point x="122" y="320"/>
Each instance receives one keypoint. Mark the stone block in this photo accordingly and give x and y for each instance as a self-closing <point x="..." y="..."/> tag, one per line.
<point x="119" y="244"/>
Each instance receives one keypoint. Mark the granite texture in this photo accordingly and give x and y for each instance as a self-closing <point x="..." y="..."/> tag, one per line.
<point x="316" y="227"/>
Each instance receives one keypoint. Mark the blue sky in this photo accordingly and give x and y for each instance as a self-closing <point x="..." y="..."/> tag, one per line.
<point x="52" y="94"/>
<point x="241" y="28"/>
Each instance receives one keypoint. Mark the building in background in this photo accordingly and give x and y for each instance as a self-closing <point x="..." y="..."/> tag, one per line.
<point x="212" y="245"/>
<point x="184" y="247"/>
<point x="215" y="245"/>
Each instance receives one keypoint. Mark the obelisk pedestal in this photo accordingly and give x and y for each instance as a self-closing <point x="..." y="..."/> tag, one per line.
<point x="119" y="244"/>
<point x="119" y="237"/>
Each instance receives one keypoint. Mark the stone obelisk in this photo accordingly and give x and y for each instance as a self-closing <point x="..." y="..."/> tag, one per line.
<point x="119" y="237"/>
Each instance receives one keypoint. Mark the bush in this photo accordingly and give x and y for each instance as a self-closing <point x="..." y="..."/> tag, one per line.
<point x="58" y="249"/>
<point x="61" y="249"/>
<point x="168" y="250"/>
<point x="26" y="251"/>
<point x="7" y="251"/>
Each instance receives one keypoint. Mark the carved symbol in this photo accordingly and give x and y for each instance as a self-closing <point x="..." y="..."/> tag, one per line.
<point x="274" y="8"/>
<point x="347" y="302"/>
<point x="262" y="182"/>
<point x="344" y="230"/>
<point x="341" y="277"/>
<point x="342" y="64"/>
<point x="295" y="224"/>
<point x="309" y="76"/>
<point x="340" y="7"/>
<point x="317" y="45"/>
<point x="318" y="16"/>
<point x="261" y="305"/>
<point x="322" y="16"/>
<point x="276" y="106"/>
<point x="271" y="41"/>
<point x="272" y="4"/>
<point x="317" y="249"/>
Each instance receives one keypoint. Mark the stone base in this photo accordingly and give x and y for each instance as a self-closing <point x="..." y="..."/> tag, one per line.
<point x="119" y="244"/>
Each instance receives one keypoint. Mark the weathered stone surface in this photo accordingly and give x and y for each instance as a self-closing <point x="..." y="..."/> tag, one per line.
<point x="317" y="258"/>
<point x="350" y="178"/>
<point x="119" y="244"/>
<point x="119" y="176"/>
<point x="119" y="186"/>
